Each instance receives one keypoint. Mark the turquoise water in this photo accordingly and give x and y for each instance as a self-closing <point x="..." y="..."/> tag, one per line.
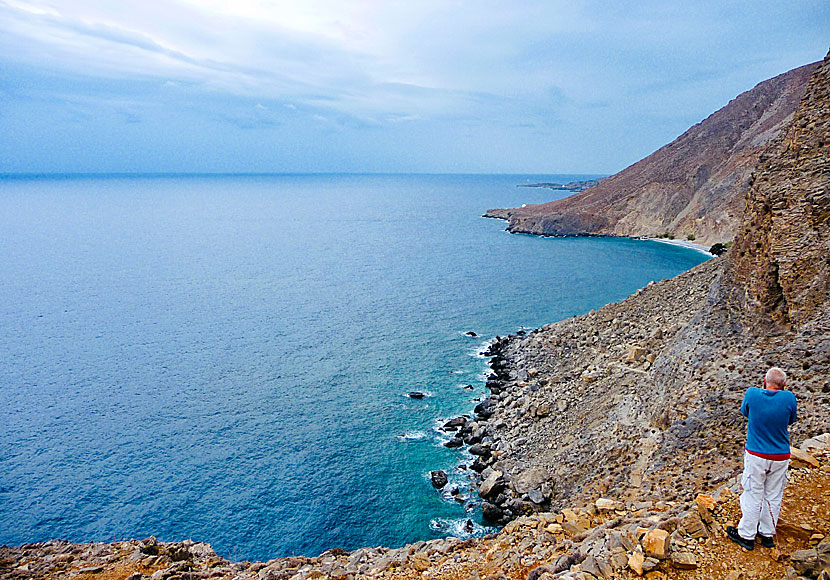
<point x="227" y="358"/>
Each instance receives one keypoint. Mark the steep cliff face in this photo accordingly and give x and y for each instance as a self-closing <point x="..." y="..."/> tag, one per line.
<point x="781" y="261"/>
<point x="694" y="185"/>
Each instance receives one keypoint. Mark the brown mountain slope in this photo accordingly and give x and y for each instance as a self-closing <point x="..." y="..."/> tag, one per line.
<point x="694" y="185"/>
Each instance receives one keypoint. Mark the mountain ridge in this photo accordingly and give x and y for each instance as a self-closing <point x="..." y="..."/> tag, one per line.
<point x="693" y="186"/>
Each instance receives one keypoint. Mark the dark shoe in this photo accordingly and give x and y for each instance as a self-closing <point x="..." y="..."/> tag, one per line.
<point x="767" y="541"/>
<point x="733" y="535"/>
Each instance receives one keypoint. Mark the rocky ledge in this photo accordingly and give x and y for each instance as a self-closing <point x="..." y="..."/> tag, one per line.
<point x="608" y="538"/>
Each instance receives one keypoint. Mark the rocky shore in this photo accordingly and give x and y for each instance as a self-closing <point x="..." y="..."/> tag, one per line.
<point x="608" y="538"/>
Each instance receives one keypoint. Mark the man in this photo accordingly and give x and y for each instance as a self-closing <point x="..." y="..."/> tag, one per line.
<point x="770" y="411"/>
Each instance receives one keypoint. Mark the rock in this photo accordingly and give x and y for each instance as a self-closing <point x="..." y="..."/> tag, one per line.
<point x="479" y="450"/>
<point x="823" y="551"/>
<point x="455" y="423"/>
<point x="535" y="495"/>
<point x="694" y="526"/>
<point x="684" y="560"/>
<point x="486" y="408"/>
<point x="591" y="566"/>
<point x="705" y="507"/>
<point x="799" y="458"/>
<point x="656" y="543"/>
<point x="636" y="353"/>
<point x="470" y="333"/>
<point x="454" y="443"/>
<point x="543" y="410"/>
<point x="816" y="443"/>
<point x="491" y="512"/>
<point x="605" y="504"/>
<point x="530" y="479"/>
<point x="439" y="479"/>
<point x="650" y="564"/>
<point x="415" y="395"/>
<point x="420" y="561"/>
<point x="491" y="486"/>
<point x="805" y="562"/>
<point x="735" y="575"/>
<point x="636" y="561"/>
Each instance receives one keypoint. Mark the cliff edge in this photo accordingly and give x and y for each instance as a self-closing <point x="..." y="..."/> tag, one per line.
<point x="695" y="185"/>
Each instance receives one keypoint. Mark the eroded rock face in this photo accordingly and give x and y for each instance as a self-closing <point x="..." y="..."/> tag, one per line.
<point x="694" y="185"/>
<point x="781" y="260"/>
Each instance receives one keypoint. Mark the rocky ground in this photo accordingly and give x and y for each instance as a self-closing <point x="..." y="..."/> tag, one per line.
<point x="609" y="538"/>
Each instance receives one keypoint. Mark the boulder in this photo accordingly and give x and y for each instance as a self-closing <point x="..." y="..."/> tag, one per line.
<point x="535" y="495"/>
<point x="684" y="560"/>
<point x="530" y="479"/>
<point x="479" y="450"/>
<point x="636" y="354"/>
<point x="605" y="504"/>
<point x="439" y="479"/>
<point x="817" y="443"/>
<point x="491" y="486"/>
<point x="470" y="333"/>
<point x="543" y="410"/>
<point x="636" y="561"/>
<point x="455" y="423"/>
<point x="805" y="562"/>
<point x="656" y="543"/>
<point x="705" y="507"/>
<point x="415" y="395"/>
<point x="491" y="512"/>
<point x="799" y="458"/>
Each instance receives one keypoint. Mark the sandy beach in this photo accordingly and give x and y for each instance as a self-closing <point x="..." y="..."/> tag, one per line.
<point x="683" y="243"/>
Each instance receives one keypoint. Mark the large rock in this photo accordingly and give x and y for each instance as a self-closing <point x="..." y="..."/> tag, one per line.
<point x="799" y="458"/>
<point x="656" y="543"/>
<point x="439" y="479"/>
<point x="529" y="480"/>
<point x="492" y="485"/>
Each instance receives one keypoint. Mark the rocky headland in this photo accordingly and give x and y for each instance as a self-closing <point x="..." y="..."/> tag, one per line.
<point x="610" y="446"/>
<point x="695" y="185"/>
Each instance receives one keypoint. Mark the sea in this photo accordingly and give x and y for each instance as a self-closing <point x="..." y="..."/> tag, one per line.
<point x="228" y="358"/>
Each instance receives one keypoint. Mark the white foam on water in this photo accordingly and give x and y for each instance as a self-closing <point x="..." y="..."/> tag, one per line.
<point x="459" y="528"/>
<point x="411" y="436"/>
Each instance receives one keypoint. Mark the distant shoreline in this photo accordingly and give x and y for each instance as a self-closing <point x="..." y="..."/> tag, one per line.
<point x="683" y="244"/>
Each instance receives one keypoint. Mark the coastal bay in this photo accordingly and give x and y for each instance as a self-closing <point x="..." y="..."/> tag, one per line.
<point x="229" y="358"/>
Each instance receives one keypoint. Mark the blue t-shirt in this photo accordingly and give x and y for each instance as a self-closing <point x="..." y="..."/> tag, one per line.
<point x="770" y="413"/>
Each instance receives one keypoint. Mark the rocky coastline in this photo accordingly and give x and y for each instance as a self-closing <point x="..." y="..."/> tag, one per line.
<point x="610" y="444"/>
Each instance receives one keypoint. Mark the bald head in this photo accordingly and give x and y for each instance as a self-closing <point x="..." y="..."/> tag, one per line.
<point x="776" y="377"/>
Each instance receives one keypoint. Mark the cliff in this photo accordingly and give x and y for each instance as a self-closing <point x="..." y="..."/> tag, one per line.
<point x="694" y="185"/>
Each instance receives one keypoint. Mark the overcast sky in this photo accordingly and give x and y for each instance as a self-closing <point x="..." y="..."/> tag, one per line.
<point x="358" y="85"/>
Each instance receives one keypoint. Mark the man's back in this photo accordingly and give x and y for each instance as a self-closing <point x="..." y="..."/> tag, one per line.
<point x="770" y="412"/>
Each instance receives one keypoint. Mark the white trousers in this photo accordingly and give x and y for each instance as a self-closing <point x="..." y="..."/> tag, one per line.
<point x="763" y="482"/>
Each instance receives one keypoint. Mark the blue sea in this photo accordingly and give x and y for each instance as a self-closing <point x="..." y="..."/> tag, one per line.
<point x="227" y="358"/>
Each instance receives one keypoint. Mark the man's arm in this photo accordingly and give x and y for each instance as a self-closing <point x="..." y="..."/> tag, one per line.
<point x="745" y="405"/>
<point x="794" y="411"/>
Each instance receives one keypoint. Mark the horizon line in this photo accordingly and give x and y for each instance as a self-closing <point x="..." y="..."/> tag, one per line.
<point x="82" y="174"/>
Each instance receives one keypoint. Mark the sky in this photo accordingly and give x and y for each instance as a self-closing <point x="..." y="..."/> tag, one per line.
<point x="426" y="86"/>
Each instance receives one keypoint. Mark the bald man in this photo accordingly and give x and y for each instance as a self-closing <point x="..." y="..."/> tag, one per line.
<point x="770" y="412"/>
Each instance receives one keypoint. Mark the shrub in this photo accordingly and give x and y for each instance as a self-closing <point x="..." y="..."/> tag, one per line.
<point x="691" y="237"/>
<point x="718" y="249"/>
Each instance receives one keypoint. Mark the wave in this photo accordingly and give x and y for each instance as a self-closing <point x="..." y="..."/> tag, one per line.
<point x="411" y="436"/>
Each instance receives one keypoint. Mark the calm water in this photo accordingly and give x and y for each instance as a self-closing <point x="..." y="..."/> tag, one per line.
<point x="227" y="358"/>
